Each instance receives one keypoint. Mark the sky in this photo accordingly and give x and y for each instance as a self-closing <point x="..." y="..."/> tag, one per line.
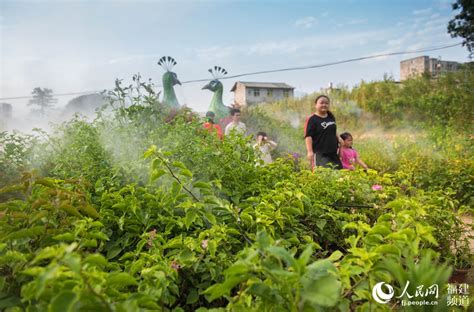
<point x="81" y="45"/>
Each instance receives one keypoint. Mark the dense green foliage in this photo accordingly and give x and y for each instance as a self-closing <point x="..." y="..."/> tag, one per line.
<point x="143" y="209"/>
<point x="462" y="25"/>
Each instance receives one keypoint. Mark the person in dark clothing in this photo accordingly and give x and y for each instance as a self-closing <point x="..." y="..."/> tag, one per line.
<point x="321" y="136"/>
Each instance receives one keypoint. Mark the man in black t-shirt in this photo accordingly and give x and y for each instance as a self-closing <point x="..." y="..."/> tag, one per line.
<point x="321" y="136"/>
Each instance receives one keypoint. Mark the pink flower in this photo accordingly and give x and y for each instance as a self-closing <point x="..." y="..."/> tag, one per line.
<point x="175" y="265"/>
<point x="377" y="187"/>
<point x="152" y="236"/>
<point x="204" y="244"/>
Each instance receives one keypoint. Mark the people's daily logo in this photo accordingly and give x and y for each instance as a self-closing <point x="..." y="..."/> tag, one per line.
<point x="380" y="295"/>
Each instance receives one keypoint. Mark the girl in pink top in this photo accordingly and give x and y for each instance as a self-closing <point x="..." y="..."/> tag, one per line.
<point x="349" y="156"/>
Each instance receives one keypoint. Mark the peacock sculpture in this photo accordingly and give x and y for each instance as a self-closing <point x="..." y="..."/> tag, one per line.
<point x="217" y="106"/>
<point x="170" y="79"/>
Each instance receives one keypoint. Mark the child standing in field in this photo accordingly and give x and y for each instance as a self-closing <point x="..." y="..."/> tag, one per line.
<point x="264" y="146"/>
<point x="349" y="156"/>
<point x="321" y="136"/>
<point x="211" y="126"/>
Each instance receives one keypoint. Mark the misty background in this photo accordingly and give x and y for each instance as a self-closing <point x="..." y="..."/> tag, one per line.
<point x="79" y="46"/>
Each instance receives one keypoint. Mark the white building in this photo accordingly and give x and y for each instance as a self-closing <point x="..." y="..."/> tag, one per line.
<point x="249" y="93"/>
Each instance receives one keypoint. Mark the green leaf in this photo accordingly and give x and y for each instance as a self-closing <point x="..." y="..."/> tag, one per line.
<point x="388" y="249"/>
<point x="219" y="290"/>
<point x="175" y="188"/>
<point x="27" y="233"/>
<point x="380" y="229"/>
<point x="186" y="256"/>
<point x="13" y="257"/>
<point x="33" y="271"/>
<point x="150" y="151"/>
<point x="202" y="185"/>
<point x="186" y="173"/>
<point x="321" y="223"/>
<point x="179" y="164"/>
<point x="319" y="269"/>
<point x="283" y="254"/>
<point x="48" y="253"/>
<point x="120" y="280"/>
<point x="97" y="224"/>
<point x="263" y="239"/>
<point x="325" y="291"/>
<point x="212" y="200"/>
<point x="68" y="237"/>
<point x="304" y="257"/>
<point x="192" y="297"/>
<point x="176" y="242"/>
<point x="39" y="215"/>
<point x="97" y="260"/>
<point x="191" y="215"/>
<point x="264" y="291"/>
<point x="89" y="243"/>
<point x="113" y="252"/>
<point x="156" y="163"/>
<point x="9" y="301"/>
<point x="73" y="261"/>
<point x="99" y="235"/>
<point x="89" y="211"/>
<point x="69" y="209"/>
<point x="156" y="174"/>
<point x="212" y="247"/>
<point x="283" y="275"/>
<point x="236" y="269"/>
<point x="63" y="302"/>
<point x="335" y="256"/>
<point x="137" y="266"/>
<point x="41" y="280"/>
<point x="210" y="217"/>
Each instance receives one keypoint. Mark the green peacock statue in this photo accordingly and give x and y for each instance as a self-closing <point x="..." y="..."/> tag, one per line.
<point x="217" y="106"/>
<point x="170" y="79"/>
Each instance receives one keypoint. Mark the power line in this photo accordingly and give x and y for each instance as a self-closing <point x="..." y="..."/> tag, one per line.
<point x="275" y="70"/>
<point x="331" y="63"/>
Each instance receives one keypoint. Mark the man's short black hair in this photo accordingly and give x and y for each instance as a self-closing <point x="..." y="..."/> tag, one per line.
<point x="234" y="111"/>
<point x="262" y="134"/>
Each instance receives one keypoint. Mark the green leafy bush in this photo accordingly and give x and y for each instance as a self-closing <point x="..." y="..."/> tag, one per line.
<point x="142" y="209"/>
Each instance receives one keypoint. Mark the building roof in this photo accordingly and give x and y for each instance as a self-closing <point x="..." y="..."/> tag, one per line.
<point x="267" y="85"/>
<point x="414" y="58"/>
<point x="429" y="58"/>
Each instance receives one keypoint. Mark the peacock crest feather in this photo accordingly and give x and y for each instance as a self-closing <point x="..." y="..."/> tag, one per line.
<point x="217" y="72"/>
<point x="167" y="63"/>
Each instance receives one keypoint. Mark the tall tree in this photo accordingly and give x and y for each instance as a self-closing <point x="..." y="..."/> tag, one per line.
<point x="42" y="98"/>
<point x="462" y="25"/>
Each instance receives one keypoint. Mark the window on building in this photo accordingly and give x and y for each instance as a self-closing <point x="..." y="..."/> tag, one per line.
<point x="256" y="92"/>
<point x="249" y="91"/>
<point x="286" y="93"/>
<point x="269" y="92"/>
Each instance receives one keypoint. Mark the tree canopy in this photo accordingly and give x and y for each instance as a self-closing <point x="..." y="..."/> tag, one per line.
<point x="42" y="98"/>
<point x="462" y="25"/>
